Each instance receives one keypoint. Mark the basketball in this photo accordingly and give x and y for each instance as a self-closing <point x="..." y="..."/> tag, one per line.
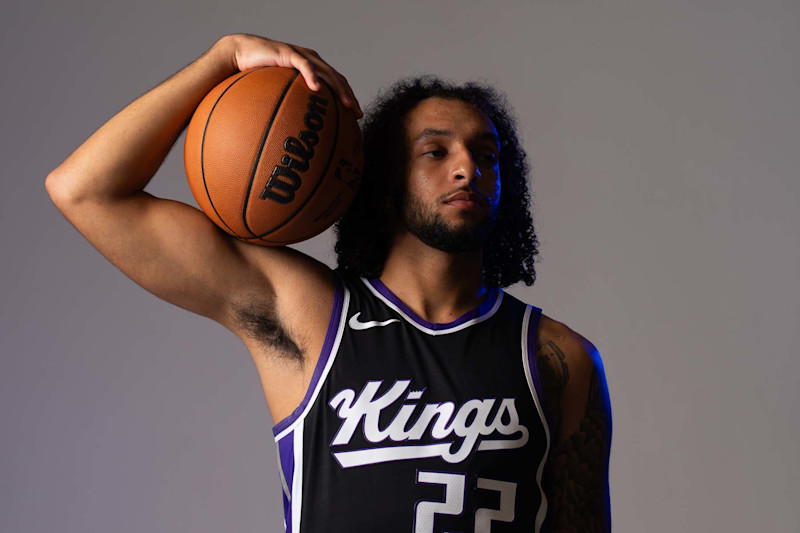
<point x="270" y="161"/>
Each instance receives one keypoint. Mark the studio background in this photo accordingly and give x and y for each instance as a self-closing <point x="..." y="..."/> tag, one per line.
<point x="664" y="142"/>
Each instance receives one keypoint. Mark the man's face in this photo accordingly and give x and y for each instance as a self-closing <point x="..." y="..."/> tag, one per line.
<point x="452" y="193"/>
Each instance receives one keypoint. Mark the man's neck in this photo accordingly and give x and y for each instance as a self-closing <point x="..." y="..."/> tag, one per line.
<point x="438" y="286"/>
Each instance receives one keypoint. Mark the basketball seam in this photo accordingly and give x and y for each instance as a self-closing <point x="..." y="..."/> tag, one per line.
<point x="202" y="152"/>
<point x="260" y="151"/>
<point x="316" y="186"/>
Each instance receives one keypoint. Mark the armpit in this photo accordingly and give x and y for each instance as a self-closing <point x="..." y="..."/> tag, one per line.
<point x="261" y="322"/>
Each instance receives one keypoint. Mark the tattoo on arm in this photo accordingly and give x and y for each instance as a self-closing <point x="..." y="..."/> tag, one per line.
<point x="556" y="362"/>
<point x="576" y="478"/>
<point x="554" y="373"/>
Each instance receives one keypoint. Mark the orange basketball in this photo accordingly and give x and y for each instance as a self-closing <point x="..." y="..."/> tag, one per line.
<point x="271" y="161"/>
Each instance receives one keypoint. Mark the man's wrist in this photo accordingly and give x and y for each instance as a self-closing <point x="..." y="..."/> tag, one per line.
<point x="223" y="54"/>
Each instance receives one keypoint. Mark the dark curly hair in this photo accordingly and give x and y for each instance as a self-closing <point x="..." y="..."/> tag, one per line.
<point x="364" y="233"/>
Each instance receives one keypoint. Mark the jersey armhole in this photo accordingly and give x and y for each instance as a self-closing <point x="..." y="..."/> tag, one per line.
<point x="330" y="346"/>
<point x="530" y="336"/>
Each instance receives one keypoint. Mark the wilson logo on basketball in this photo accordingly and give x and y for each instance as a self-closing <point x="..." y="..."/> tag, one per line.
<point x="285" y="179"/>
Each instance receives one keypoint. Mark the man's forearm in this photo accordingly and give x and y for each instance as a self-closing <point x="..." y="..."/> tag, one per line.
<point x="122" y="156"/>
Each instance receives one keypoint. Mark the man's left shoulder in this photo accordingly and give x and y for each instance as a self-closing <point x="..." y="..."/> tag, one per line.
<point x="559" y="343"/>
<point x="572" y="374"/>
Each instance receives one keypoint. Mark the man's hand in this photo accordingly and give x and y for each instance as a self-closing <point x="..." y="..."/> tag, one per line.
<point x="251" y="51"/>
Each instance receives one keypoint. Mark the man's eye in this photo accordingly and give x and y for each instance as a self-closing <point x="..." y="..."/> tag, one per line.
<point x="490" y="157"/>
<point x="435" y="153"/>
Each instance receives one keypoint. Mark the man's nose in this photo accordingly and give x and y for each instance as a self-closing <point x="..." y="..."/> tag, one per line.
<point x="465" y="167"/>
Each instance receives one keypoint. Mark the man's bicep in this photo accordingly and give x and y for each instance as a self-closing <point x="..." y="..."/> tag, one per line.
<point x="576" y="474"/>
<point x="168" y="248"/>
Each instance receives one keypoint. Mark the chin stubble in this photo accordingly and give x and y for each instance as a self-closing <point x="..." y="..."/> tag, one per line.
<point x="431" y="228"/>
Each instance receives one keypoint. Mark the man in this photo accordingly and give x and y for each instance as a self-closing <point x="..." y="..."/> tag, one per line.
<point x="410" y="393"/>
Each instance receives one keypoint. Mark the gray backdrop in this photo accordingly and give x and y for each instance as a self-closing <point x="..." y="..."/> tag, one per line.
<point x="664" y="139"/>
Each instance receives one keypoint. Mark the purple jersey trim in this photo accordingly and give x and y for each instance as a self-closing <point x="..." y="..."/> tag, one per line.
<point x="482" y="309"/>
<point x="286" y="453"/>
<point x="330" y="338"/>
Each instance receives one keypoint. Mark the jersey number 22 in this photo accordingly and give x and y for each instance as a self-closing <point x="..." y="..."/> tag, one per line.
<point x="453" y="504"/>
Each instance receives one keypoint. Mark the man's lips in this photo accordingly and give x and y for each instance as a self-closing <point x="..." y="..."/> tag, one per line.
<point x="465" y="199"/>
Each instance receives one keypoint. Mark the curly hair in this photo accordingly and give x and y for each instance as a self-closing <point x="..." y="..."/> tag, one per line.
<point x="364" y="233"/>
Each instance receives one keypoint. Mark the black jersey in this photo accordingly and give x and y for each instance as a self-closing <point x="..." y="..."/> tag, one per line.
<point x="415" y="427"/>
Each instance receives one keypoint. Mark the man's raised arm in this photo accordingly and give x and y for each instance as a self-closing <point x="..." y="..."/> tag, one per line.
<point x="172" y="249"/>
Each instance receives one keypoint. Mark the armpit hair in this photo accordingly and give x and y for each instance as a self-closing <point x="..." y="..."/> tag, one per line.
<point x="261" y="322"/>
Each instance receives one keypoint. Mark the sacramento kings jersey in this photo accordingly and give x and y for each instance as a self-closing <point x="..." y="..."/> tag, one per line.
<point x="415" y="427"/>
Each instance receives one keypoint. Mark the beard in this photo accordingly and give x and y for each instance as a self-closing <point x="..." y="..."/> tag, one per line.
<point x="432" y="229"/>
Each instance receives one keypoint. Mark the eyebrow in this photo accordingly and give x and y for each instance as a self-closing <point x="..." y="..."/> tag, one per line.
<point x="432" y="132"/>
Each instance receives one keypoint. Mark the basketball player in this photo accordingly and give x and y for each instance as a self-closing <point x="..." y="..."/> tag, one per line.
<point x="410" y="393"/>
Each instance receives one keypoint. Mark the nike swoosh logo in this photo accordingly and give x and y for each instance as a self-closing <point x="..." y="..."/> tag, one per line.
<point x="356" y="324"/>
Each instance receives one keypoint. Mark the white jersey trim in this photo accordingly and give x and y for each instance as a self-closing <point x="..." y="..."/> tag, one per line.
<point x="529" y="377"/>
<point x="297" y="479"/>
<point x="436" y="332"/>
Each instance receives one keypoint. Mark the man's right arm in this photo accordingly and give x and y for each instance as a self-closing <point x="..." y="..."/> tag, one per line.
<point x="172" y="249"/>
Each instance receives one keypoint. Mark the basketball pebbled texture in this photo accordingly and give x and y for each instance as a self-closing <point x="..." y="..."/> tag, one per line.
<point x="269" y="161"/>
